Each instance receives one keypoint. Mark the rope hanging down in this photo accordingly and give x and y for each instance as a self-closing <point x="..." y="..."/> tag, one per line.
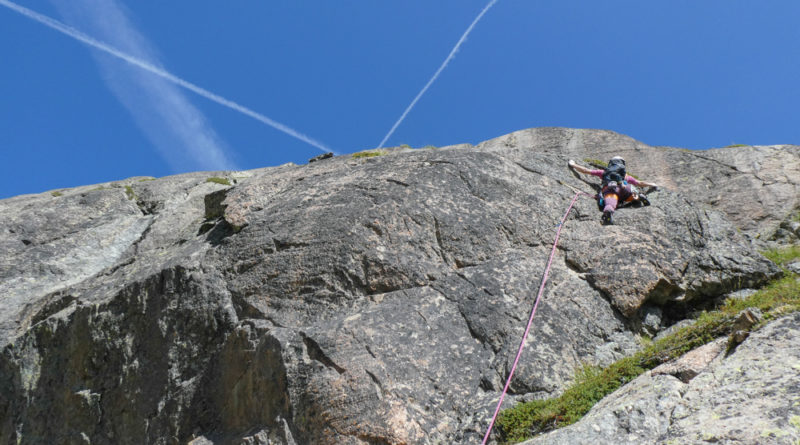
<point x="533" y="312"/>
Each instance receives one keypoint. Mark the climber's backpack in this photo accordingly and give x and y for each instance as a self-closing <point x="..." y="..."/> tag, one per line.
<point x="614" y="172"/>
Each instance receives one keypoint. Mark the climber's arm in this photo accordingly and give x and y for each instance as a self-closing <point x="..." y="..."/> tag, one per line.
<point x="580" y="169"/>
<point x="639" y="182"/>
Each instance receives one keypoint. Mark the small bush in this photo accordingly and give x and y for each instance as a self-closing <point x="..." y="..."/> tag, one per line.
<point x="368" y="154"/>
<point x="405" y="146"/>
<point x="431" y="147"/>
<point x="736" y="145"/>
<point x="56" y="194"/>
<point x="218" y="180"/>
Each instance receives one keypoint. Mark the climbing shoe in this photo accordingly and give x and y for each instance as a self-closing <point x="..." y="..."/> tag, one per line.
<point x="607" y="219"/>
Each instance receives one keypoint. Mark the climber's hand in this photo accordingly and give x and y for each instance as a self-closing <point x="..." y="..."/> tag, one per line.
<point x="571" y="163"/>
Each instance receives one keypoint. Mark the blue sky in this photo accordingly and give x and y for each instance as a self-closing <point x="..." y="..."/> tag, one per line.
<point x="693" y="74"/>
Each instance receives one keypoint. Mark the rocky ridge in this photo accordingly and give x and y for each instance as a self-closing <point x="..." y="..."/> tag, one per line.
<point x="360" y="301"/>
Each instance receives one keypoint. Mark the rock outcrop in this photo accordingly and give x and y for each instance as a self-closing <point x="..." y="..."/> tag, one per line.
<point x="749" y="397"/>
<point x="359" y="301"/>
<point x="756" y="187"/>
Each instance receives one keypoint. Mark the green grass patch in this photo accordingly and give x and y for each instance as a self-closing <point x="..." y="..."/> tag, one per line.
<point x="590" y="386"/>
<point x="783" y="256"/>
<point x="592" y="383"/>
<point x="56" y="194"/>
<point x="405" y="146"/>
<point x="130" y="193"/>
<point x="368" y="154"/>
<point x="778" y="298"/>
<point x="736" y="145"/>
<point x="430" y="147"/>
<point x="218" y="180"/>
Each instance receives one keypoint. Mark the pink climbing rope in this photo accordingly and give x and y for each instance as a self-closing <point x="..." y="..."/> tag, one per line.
<point x="533" y="312"/>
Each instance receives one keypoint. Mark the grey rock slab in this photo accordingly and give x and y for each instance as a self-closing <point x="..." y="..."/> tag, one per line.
<point x="651" y="318"/>
<point x="741" y="294"/>
<point x="749" y="397"/>
<point x="773" y="172"/>
<point x="335" y="245"/>
<point x="57" y="243"/>
<point x="674" y="328"/>
<point x="668" y="252"/>
<point x="693" y="362"/>
<point x="353" y="301"/>
<point x="640" y="412"/>
<point x="123" y="371"/>
<point x="756" y="187"/>
<point x="60" y="241"/>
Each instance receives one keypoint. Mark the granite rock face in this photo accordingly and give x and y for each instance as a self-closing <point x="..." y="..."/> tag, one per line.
<point x="756" y="187"/>
<point x="355" y="301"/>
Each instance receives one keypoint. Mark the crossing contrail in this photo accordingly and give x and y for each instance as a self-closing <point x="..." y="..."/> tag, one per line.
<point x="175" y="127"/>
<point x="77" y="35"/>
<point x="439" y="71"/>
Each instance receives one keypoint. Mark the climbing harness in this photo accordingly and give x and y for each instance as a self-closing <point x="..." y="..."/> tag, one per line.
<point x="533" y="311"/>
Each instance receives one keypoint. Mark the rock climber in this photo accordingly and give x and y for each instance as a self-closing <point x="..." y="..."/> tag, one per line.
<point x="616" y="185"/>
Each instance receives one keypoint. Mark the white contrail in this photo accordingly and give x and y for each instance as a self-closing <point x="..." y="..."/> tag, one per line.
<point x="439" y="71"/>
<point x="175" y="126"/>
<point x="75" y="34"/>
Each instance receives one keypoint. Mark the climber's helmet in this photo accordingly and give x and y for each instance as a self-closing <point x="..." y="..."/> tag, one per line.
<point x="617" y="160"/>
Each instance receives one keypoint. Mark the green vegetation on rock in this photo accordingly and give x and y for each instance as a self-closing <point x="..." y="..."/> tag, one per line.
<point x="795" y="421"/>
<point x="218" y="180"/>
<point x="592" y="383"/>
<point x="56" y="194"/>
<point x="784" y="255"/>
<point x="368" y="154"/>
<point x="130" y="193"/>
